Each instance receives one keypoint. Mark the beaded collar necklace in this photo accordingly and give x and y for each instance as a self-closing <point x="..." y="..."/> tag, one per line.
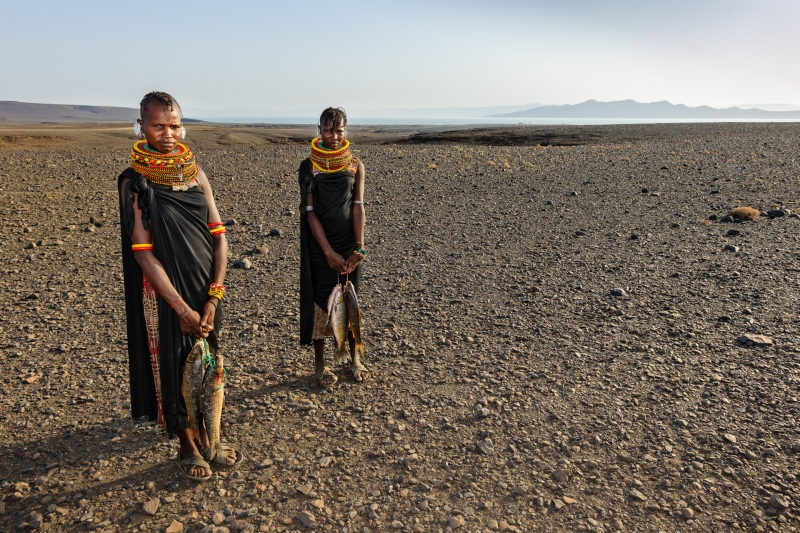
<point x="175" y="168"/>
<point x="329" y="161"/>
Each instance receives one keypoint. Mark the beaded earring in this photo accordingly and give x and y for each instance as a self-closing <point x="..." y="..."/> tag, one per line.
<point x="183" y="132"/>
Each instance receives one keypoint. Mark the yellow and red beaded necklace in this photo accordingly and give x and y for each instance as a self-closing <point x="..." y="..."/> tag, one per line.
<point x="329" y="161"/>
<point x="175" y="168"/>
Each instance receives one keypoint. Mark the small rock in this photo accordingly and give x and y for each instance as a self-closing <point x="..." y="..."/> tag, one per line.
<point x="304" y="489"/>
<point x="569" y="501"/>
<point x="397" y="524"/>
<point x="456" y="522"/>
<point x="625" y="457"/>
<point x="486" y="446"/>
<point x="755" y="340"/>
<point x="307" y="519"/>
<point x="688" y="513"/>
<point x="734" y="232"/>
<point x="775" y="213"/>
<point x="230" y="222"/>
<point x="175" y="527"/>
<point x="730" y="248"/>
<point x="150" y="507"/>
<point x="90" y="229"/>
<point x="30" y="245"/>
<point x="484" y="412"/>
<point x="682" y="423"/>
<point x="274" y="232"/>
<point x="560" y="476"/>
<point x="779" y="501"/>
<point x="244" y="263"/>
<point x="36" y="520"/>
<point x="636" y="495"/>
<point x="730" y="438"/>
<point x="261" y="250"/>
<point x="618" y="292"/>
<point x="750" y="455"/>
<point x="726" y="219"/>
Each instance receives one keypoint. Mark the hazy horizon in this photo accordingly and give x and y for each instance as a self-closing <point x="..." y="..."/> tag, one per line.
<point x="256" y="55"/>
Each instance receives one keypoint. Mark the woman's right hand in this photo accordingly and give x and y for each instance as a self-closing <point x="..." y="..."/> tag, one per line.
<point x="190" y="325"/>
<point x="336" y="262"/>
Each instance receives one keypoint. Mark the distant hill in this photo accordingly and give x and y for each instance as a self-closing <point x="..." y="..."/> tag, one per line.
<point x="355" y="114"/>
<point x="636" y="110"/>
<point x="27" y="113"/>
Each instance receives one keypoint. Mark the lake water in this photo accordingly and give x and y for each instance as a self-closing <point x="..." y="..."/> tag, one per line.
<point x="388" y="121"/>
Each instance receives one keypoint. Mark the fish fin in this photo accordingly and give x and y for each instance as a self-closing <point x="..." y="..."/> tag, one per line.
<point x="360" y="350"/>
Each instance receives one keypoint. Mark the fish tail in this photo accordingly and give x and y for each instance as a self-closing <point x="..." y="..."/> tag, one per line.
<point x="211" y="453"/>
<point x="341" y="355"/>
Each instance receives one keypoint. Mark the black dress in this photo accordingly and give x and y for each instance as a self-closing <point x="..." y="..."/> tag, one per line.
<point x="178" y="224"/>
<point x="333" y="205"/>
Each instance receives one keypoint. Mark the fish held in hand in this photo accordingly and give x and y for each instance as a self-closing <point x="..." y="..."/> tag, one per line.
<point x="213" y="398"/>
<point x="192" y="385"/>
<point x="354" y="316"/>
<point x="337" y="318"/>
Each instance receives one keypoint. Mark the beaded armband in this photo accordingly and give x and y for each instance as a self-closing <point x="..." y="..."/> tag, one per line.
<point x="216" y="228"/>
<point x="360" y="251"/>
<point x="141" y="247"/>
<point x="216" y="291"/>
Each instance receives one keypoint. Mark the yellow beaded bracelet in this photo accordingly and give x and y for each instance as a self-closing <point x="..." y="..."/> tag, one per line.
<point x="216" y="291"/>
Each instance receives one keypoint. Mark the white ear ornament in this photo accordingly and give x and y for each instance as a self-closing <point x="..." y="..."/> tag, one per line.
<point x="137" y="129"/>
<point x="183" y="132"/>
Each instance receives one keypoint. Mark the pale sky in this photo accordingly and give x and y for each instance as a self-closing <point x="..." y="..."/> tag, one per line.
<point x="408" y="53"/>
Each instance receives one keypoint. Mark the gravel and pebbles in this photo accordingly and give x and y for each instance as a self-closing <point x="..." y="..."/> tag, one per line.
<point x="563" y="338"/>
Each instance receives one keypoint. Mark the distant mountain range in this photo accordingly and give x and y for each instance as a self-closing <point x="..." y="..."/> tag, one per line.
<point x="631" y="109"/>
<point x="30" y="113"/>
<point x="250" y="115"/>
<point x="26" y="113"/>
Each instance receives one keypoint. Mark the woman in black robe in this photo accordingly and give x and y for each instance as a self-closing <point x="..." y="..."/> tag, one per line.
<point x="174" y="258"/>
<point x="331" y="235"/>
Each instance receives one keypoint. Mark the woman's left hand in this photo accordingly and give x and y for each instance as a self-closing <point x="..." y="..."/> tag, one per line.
<point x="352" y="262"/>
<point x="209" y="311"/>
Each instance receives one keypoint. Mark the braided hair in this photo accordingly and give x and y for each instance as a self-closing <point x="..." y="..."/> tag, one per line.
<point x="163" y="98"/>
<point x="335" y="115"/>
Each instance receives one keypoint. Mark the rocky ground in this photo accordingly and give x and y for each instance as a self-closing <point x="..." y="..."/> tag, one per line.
<point x="564" y="337"/>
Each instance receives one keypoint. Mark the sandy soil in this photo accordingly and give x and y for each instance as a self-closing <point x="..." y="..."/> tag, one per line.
<point x="555" y="333"/>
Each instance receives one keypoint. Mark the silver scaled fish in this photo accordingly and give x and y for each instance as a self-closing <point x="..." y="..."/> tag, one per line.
<point x="354" y="316"/>
<point x="337" y="318"/>
<point x="213" y="398"/>
<point x="192" y="385"/>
